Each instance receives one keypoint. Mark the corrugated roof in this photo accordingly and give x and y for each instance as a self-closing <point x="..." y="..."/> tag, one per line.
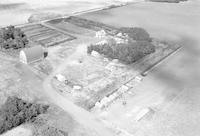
<point x="34" y="53"/>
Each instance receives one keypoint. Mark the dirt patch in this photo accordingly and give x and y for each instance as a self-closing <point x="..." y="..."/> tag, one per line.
<point x="19" y="131"/>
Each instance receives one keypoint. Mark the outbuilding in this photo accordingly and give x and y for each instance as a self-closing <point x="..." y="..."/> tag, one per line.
<point x="32" y="54"/>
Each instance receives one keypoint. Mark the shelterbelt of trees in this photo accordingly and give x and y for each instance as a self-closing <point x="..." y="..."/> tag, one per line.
<point x="168" y="1"/>
<point x="139" y="45"/>
<point x="16" y="111"/>
<point x="12" y="38"/>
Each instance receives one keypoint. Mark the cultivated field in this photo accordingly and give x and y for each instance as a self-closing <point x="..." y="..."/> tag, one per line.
<point x="45" y="36"/>
<point x="69" y="27"/>
<point x="89" y="24"/>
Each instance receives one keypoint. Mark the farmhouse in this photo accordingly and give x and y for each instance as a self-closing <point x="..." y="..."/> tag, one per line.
<point x="100" y="34"/>
<point x="33" y="54"/>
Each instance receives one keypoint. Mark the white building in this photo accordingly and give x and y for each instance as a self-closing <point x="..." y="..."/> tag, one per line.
<point x="101" y="34"/>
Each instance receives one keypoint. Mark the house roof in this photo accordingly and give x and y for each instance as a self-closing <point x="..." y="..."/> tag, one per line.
<point x="34" y="53"/>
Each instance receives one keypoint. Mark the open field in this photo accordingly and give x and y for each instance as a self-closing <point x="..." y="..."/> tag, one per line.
<point x="19" y="131"/>
<point x="14" y="12"/>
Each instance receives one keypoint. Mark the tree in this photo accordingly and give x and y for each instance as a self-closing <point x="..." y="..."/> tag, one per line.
<point x="16" y="111"/>
<point x="12" y="38"/>
<point x="125" y="52"/>
<point x="136" y="33"/>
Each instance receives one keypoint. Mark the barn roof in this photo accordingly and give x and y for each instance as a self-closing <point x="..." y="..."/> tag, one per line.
<point x="34" y="53"/>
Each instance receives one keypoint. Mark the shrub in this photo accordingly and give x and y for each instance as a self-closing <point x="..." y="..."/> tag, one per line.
<point x="16" y="112"/>
<point x="12" y="38"/>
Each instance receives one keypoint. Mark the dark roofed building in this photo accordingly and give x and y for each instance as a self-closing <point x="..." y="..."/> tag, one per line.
<point x="33" y="54"/>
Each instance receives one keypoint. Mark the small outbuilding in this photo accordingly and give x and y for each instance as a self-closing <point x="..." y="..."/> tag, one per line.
<point x="31" y="55"/>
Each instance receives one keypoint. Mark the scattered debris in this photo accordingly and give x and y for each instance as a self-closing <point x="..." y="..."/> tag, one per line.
<point x="115" y="60"/>
<point x="142" y="113"/>
<point x="95" y="54"/>
<point x="102" y="42"/>
<point x="138" y="78"/>
<point x="106" y="59"/>
<point x="77" y="87"/>
<point x="123" y="89"/>
<point x="60" y="78"/>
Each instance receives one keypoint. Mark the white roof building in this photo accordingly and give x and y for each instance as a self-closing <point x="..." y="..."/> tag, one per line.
<point x="101" y="34"/>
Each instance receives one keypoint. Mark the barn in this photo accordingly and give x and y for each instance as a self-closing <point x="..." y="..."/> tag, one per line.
<point x="32" y="54"/>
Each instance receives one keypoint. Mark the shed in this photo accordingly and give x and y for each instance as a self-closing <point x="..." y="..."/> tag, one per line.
<point x="33" y="54"/>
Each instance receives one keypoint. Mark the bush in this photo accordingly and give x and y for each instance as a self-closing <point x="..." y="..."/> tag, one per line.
<point x="127" y="52"/>
<point x="16" y="112"/>
<point x="136" y="33"/>
<point x="12" y="38"/>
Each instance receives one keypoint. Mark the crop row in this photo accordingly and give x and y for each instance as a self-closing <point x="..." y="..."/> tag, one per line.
<point x="45" y="36"/>
<point x="89" y="24"/>
<point x="30" y="27"/>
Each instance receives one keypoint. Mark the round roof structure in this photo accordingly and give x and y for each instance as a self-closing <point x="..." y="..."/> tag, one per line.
<point x="32" y="54"/>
